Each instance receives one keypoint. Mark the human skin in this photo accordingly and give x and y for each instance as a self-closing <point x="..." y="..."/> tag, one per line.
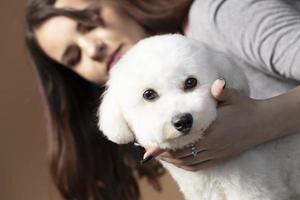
<point x="242" y="123"/>
<point x="95" y="47"/>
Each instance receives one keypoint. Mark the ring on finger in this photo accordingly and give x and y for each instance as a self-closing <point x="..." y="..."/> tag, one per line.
<point x="194" y="151"/>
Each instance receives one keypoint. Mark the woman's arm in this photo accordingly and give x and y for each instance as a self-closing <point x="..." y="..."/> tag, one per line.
<point x="242" y="124"/>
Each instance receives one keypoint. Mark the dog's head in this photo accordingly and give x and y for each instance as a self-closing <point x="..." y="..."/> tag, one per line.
<point x="159" y="93"/>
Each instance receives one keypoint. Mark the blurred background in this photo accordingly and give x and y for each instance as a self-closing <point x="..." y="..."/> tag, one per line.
<point x="23" y="163"/>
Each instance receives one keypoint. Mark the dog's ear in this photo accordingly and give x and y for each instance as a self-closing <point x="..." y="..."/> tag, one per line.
<point x="111" y="121"/>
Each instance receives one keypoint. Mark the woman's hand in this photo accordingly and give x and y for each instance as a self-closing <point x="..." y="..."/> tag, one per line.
<point x="239" y="126"/>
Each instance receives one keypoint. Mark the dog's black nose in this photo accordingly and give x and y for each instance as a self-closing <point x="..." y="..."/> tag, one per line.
<point x="183" y="122"/>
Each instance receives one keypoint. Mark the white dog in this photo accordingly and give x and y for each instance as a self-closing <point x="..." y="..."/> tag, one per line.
<point x="159" y="95"/>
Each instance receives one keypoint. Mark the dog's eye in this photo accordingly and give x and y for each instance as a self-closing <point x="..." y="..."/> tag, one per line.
<point x="150" y="95"/>
<point x="190" y="83"/>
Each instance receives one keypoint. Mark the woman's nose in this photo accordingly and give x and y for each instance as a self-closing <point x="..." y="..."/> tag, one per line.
<point x="94" y="49"/>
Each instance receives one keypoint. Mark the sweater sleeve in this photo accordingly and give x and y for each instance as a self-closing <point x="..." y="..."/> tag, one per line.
<point x="264" y="33"/>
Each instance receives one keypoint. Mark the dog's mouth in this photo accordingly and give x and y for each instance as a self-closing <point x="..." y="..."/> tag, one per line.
<point x="180" y="141"/>
<point x="179" y="136"/>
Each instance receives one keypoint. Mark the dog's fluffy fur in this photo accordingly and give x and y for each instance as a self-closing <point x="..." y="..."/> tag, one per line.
<point x="164" y="63"/>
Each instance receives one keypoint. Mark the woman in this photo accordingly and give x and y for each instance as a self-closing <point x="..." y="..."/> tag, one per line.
<point x="75" y="43"/>
<point x="84" y="165"/>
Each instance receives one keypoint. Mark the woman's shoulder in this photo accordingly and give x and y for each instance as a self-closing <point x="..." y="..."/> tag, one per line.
<point x="201" y="22"/>
<point x="264" y="33"/>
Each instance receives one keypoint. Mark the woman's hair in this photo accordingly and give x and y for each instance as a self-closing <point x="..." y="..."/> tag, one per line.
<point x="85" y="165"/>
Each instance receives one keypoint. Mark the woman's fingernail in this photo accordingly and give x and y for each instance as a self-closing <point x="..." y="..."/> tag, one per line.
<point x="222" y="81"/>
<point x="147" y="159"/>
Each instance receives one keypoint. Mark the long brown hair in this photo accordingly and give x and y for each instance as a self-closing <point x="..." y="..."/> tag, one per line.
<point x="83" y="164"/>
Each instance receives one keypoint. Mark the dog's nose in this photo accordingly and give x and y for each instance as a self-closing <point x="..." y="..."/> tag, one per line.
<point x="183" y="122"/>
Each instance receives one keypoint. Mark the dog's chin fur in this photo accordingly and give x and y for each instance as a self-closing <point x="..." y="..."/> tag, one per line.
<point x="181" y="141"/>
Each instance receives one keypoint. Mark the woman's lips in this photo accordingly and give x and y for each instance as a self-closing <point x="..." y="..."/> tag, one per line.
<point x="114" y="58"/>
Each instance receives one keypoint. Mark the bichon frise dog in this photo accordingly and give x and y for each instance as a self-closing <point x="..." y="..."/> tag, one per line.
<point x="159" y="95"/>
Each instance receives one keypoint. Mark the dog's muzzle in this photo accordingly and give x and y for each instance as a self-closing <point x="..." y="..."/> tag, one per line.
<point x="183" y="122"/>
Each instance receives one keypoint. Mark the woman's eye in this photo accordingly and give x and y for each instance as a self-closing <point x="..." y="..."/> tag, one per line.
<point x="92" y="20"/>
<point x="73" y="56"/>
<point x="85" y="28"/>
<point x="190" y="83"/>
<point x="150" y="95"/>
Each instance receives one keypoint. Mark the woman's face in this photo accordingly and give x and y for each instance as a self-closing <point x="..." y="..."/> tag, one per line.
<point x="89" y="52"/>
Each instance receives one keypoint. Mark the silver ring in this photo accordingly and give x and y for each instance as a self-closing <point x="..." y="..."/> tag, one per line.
<point x="194" y="152"/>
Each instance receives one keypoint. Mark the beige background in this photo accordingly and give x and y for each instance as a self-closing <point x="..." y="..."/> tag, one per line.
<point x="23" y="164"/>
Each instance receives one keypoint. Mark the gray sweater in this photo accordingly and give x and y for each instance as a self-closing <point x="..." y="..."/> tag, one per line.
<point x="263" y="36"/>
